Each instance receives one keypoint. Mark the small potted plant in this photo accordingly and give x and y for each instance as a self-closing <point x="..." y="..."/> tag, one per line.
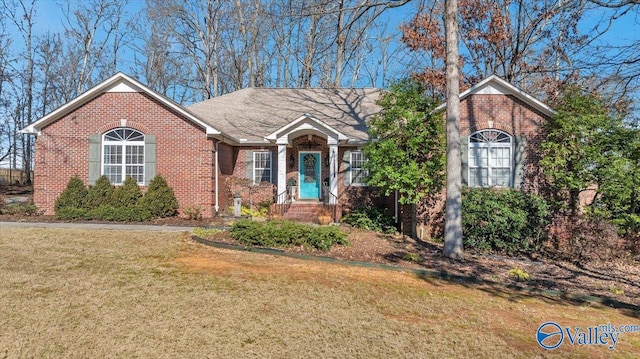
<point x="292" y="185"/>
<point x="325" y="217"/>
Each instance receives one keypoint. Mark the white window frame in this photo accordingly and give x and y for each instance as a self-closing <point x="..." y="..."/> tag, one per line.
<point x="256" y="168"/>
<point x="133" y="139"/>
<point x="352" y="168"/>
<point x="488" y="142"/>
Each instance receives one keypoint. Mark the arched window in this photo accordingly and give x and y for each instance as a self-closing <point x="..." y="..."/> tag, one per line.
<point x="490" y="159"/>
<point x="123" y="155"/>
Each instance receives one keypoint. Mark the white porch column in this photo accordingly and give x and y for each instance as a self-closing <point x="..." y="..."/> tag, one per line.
<point x="333" y="171"/>
<point x="282" y="172"/>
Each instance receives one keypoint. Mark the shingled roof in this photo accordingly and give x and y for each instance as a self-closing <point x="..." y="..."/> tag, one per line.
<point x="251" y="114"/>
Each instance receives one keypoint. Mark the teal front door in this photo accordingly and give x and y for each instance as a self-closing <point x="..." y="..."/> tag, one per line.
<point x="309" y="175"/>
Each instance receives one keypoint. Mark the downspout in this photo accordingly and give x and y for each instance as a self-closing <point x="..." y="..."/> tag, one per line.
<point x="217" y="168"/>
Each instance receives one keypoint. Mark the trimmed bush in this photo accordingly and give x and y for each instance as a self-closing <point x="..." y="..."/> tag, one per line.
<point x="159" y="199"/>
<point x="286" y="234"/>
<point x="126" y="195"/>
<point x="505" y="221"/>
<point x="72" y="214"/>
<point x="73" y="197"/>
<point x="123" y="203"/>
<point x="100" y="193"/>
<point x="120" y="214"/>
<point x="371" y="218"/>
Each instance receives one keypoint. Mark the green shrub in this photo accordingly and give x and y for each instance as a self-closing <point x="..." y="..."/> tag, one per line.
<point x="71" y="213"/>
<point x="73" y="198"/>
<point x="159" y="199"/>
<point x="371" y="218"/>
<point x="287" y="233"/>
<point x="193" y="213"/>
<point x="100" y="193"/>
<point x="123" y="203"/>
<point x="506" y="221"/>
<point x="126" y="195"/>
<point x="119" y="214"/>
<point x="28" y="209"/>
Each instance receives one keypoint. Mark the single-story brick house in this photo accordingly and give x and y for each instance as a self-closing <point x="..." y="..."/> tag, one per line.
<point x="300" y="146"/>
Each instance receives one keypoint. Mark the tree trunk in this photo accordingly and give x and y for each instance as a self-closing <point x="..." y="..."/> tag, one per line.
<point x="453" y="217"/>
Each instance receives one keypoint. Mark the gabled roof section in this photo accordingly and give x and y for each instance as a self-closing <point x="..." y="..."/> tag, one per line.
<point x="116" y="83"/>
<point x="305" y="122"/>
<point x="251" y="115"/>
<point x="494" y="85"/>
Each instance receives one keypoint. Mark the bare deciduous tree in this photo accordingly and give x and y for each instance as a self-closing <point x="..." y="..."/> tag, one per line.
<point x="22" y="15"/>
<point x="5" y="78"/>
<point x="94" y="39"/>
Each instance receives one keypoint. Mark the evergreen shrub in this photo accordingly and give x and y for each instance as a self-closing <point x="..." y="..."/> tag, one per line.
<point x="371" y="218"/>
<point x="124" y="203"/>
<point x="286" y="234"/>
<point x="73" y="197"/>
<point x="100" y="193"/>
<point x="503" y="220"/>
<point x="159" y="199"/>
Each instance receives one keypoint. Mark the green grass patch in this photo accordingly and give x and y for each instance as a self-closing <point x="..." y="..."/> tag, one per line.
<point x="205" y="232"/>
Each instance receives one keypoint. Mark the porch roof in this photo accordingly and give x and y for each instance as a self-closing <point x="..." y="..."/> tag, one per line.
<point x="253" y="114"/>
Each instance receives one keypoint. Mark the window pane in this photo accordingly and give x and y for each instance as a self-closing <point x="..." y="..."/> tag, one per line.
<point x="137" y="172"/>
<point x="358" y="173"/>
<point x="357" y="159"/>
<point x="134" y="155"/>
<point x="261" y="167"/>
<point x="500" y="156"/>
<point x="500" y="177"/>
<point x="266" y="175"/>
<point x="262" y="175"/>
<point x="112" y="154"/>
<point x="478" y="177"/>
<point x="114" y="173"/>
<point x="478" y="157"/>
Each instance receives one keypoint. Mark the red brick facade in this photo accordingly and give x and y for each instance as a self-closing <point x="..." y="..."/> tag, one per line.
<point x="479" y="112"/>
<point x="511" y="115"/>
<point x="184" y="154"/>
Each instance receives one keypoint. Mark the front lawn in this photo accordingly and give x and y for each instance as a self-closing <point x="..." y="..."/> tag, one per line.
<point x="74" y="293"/>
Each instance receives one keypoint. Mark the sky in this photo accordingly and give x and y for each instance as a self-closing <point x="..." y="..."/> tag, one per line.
<point x="624" y="30"/>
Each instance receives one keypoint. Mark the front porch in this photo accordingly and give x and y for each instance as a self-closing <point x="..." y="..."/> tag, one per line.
<point x="307" y="179"/>
<point x="307" y="169"/>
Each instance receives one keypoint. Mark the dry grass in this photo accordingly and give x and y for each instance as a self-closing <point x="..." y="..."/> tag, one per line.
<point x="66" y="293"/>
